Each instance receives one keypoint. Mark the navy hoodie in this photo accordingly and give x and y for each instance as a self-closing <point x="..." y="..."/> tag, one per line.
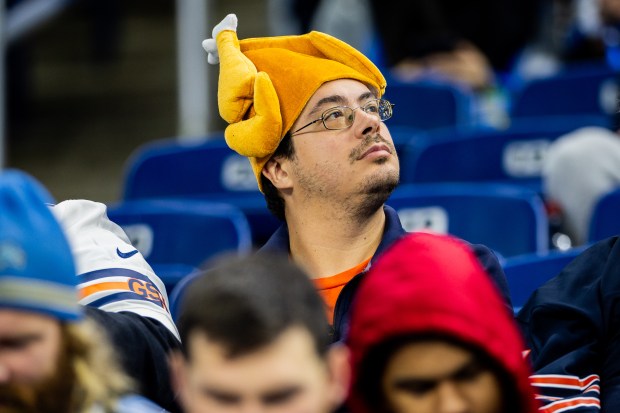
<point x="279" y="242"/>
<point x="572" y="326"/>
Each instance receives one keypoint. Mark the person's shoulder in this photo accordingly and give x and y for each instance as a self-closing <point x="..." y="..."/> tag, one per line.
<point x="131" y="328"/>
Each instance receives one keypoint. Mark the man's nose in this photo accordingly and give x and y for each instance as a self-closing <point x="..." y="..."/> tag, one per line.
<point x="451" y="399"/>
<point x="4" y="372"/>
<point x="251" y="406"/>
<point x="366" y="123"/>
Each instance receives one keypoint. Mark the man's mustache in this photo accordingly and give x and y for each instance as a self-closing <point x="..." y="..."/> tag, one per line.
<point x="367" y="143"/>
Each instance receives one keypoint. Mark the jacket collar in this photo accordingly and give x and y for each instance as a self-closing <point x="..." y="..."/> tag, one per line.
<point x="279" y="241"/>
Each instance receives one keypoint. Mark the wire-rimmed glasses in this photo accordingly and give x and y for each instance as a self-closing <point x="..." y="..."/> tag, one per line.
<point x="342" y="117"/>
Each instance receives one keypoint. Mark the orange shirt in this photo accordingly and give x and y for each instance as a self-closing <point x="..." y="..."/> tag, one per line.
<point x="330" y="287"/>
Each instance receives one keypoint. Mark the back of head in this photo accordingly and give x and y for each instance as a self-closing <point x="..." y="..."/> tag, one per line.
<point x="245" y="304"/>
<point x="429" y="285"/>
<point x="37" y="271"/>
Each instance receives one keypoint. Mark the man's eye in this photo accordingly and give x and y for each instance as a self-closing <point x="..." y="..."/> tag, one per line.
<point x="417" y="388"/>
<point x="16" y="343"/>
<point x="280" y="397"/>
<point x="470" y="372"/>
<point x="371" y="108"/>
<point x="221" y="397"/>
<point x="333" y="114"/>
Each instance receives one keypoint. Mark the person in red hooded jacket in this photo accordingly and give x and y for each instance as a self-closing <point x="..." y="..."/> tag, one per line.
<point x="430" y="333"/>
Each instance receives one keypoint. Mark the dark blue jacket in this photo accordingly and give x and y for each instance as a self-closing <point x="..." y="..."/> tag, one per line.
<point x="279" y="242"/>
<point x="572" y="327"/>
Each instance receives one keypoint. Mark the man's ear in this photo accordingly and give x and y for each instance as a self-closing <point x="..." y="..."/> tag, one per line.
<point x="178" y="375"/>
<point x="276" y="170"/>
<point x="340" y="373"/>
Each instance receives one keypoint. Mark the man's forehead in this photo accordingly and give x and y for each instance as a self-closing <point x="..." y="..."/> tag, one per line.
<point x="430" y="360"/>
<point x="291" y="351"/>
<point x="292" y="364"/>
<point x="12" y="319"/>
<point x="347" y="89"/>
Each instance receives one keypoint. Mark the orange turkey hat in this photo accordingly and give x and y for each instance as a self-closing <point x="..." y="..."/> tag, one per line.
<point x="265" y="83"/>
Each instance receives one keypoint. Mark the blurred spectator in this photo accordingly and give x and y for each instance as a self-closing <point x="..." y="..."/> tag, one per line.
<point x="584" y="164"/>
<point x="571" y="32"/>
<point x="473" y="45"/>
<point x="571" y="325"/>
<point x="579" y="167"/>
<point x="281" y="18"/>
<point x="53" y="357"/>
<point x="348" y="20"/>
<point x="466" y="42"/>
<point x="256" y="339"/>
<point x="430" y="333"/>
<point x="593" y="31"/>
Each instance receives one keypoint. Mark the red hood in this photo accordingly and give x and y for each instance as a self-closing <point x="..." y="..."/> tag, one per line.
<point x="435" y="284"/>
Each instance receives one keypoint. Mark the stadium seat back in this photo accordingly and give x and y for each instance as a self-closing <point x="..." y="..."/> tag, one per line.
<point x="430" y="105"/>
<point x="583" y="90"/>
<point x="176" y="236"/>
<point x="525" y="273"/>
<point x="207" y="170"/>
<point x="515" y="155"/>
<point x="605" y="219"/>
<point x="508" y="219"/>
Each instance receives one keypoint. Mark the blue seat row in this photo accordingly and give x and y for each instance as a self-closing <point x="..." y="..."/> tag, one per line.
<point x="525" y="273"/>
<point x="585" y="89"/>
<point x="178" y="236"/>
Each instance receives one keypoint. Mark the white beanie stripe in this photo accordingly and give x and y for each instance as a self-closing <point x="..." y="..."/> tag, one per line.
<point x="31" y="292"/>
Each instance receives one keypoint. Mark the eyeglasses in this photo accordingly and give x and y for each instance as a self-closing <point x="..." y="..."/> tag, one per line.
<point x="342" y="117"/>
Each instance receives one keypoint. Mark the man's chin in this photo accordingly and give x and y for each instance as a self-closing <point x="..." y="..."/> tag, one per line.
<point x="13" y="409"/>
<point x="44" y="397"/>
<point x="375" y="193"/>
<point x="381" y="185"/>
<point x="17" y="398"/>
<point x="51" y="394"/>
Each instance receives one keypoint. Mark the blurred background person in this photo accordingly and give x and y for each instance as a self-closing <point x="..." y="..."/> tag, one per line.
<point x="578" y="169"/>
<point x="430" y="333"/>
<point x="255" y="337"/>
<point x="464" y="42"/>
<point x="571" y="33"/>
<point x="571" y="326"/>
<point x="468" y="43"/>
<point x="52" y="357"/>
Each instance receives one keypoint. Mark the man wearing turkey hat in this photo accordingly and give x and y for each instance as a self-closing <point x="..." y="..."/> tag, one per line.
<point x="308" y="113"/>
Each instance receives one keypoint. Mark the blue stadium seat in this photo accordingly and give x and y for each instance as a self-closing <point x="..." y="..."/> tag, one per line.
<point x="176" y="295"/>
<point x="605" y="220"/>
<point x="509" y="219"/>
<point x="178" y="236"/>
<point x="402" y="135"/>
<point x="577" y="90"/>
<point x="430" y="104"/>
<point x="514" y="155"/>
<point x="525" y="273"/>
<point x="205" y="170"/>
<point x="173" y="168"/>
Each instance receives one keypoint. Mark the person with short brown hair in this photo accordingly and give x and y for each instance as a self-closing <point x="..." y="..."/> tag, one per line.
<point x="255" y="337"/>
